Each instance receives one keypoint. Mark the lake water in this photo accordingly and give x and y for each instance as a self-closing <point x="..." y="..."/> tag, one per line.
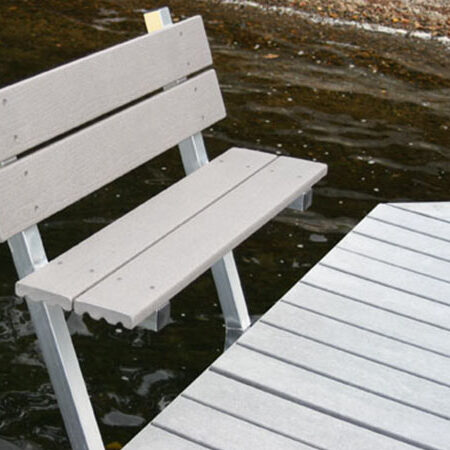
<point x="375" y="108"/>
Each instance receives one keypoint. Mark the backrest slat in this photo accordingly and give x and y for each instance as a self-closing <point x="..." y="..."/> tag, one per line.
<point x="40" y="108"/>
<point x="44" y="182"/>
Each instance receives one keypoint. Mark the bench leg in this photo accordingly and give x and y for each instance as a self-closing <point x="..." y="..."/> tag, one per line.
<point x="57" y="348"/>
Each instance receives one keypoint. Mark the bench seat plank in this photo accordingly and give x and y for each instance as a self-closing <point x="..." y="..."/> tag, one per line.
<point x="352" y="339"/>
<point x="44" y="182"/>
<point x="377" y="295"/>
<point x="143" y="285"/>
<point x="322" y="393"/>
<point x="83" y="266"/>
<point x="373" y="319"/>
<point x="42" y="107"/>
<point x="350" y="369"/>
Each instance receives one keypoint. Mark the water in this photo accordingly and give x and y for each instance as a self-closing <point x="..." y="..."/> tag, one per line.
<point x="376" y="108"/>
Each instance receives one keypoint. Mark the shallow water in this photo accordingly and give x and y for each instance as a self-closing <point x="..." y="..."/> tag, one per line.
<point x="375" y="108"/>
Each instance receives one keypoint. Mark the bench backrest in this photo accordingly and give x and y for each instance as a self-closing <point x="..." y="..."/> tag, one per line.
<point x="71" y="130"/>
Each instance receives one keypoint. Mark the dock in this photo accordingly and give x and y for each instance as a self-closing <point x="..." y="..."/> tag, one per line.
<point x="354" y="356"/>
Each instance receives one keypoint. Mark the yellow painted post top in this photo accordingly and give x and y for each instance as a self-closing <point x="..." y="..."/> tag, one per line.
<point x="153" y="21"/>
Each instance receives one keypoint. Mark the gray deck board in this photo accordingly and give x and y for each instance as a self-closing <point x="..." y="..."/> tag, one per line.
<point x="355" y="340"/>
<point x="217" y="429"/>
<point x="410" y="220"/>
<point x="411" y="240"/>
<point x="438" y="210"/>
<point x="350" y="369"/>
<point x="355" y="356"/>
<point x="402" y="279"/>
<point x="379" y="296"/>
<point x="369" y="318"/>
<point x="298" y="421"/>
<point x="406" y="259"/>
<point x="335" y="398"/>
<point x="161" y="440"/>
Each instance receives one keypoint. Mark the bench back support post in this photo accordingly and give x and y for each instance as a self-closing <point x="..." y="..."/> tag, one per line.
<point x="57" y="348"/>
<point x="225" y="274"/>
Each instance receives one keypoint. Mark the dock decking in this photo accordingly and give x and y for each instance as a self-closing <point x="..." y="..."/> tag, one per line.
<point x="354" y="356"/>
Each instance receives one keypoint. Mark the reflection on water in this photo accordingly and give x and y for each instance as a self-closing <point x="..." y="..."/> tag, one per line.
<point x="375" y="108"/>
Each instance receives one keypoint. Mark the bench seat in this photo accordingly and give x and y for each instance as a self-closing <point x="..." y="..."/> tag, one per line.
<point x="132" y="268"/>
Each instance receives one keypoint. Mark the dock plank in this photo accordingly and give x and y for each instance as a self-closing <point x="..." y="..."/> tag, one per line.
<point x="160" y="439"/>
<point x="350" y="369"/>
<point x="216" y="429"/>
<point x="387" y="275"/>
<point x="438" y="210"/>
<point x="413" y="221"/>
<point x="431" y="246"/>
<point x="391" y="254"/>
<point x="360" y="342"/>
<point x="340" y="400"/>
<point x="377" y="295"/>
<point x="373" y="319"/>
<point x="299" y="422"/>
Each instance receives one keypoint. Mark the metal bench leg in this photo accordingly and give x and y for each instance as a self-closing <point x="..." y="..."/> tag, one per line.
<point x="57" y="348"/>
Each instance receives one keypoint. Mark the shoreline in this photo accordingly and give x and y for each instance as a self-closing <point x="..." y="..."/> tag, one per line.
<point x="422" y="19"/>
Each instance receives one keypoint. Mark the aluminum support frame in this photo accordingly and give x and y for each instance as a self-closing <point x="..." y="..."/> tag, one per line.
<point x="57" y="348"/>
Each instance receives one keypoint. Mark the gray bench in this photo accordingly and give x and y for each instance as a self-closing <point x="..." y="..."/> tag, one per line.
<point x="67" y="132"/>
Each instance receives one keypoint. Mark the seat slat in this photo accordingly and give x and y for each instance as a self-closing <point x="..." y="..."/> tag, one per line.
<point x="37" y="186"/>
<point x="283" y="416"/>
<point x="73" y="272"/>
<point x="350" y="369"/>
<point x="161" y="271"/>
<point x="347" y="402"/>
<point x="42" y="107"/>
<point x="360" y="342"/>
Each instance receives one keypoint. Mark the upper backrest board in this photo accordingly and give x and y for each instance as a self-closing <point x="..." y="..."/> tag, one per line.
<point x="51" y="177"/>
<point x="54" y="102"/>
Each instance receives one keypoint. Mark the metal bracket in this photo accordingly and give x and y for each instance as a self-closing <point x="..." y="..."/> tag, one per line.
<point x="303" y="202"/>
<point x="158" y="320"/>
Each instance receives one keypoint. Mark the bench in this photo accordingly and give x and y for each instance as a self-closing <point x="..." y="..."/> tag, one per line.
<point x="68" y="132"/>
